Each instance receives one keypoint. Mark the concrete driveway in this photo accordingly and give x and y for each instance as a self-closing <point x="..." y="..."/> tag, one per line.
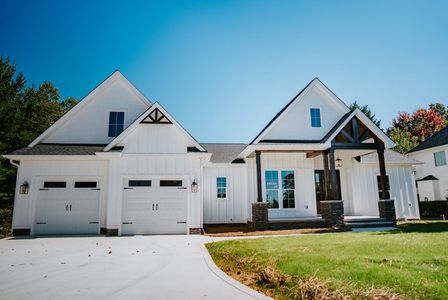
<point x="139" y="267"/>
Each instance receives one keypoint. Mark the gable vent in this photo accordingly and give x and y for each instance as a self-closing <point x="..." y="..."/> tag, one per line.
<point x="156" y="117"/>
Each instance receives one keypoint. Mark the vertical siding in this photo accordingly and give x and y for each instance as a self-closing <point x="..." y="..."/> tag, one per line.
<point x="232" y="209"/>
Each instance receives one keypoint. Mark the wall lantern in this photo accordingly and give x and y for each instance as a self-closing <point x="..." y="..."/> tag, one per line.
<point x="338" y="163"/>
<point x="24" y="188"/>
<point x="194" y="186"/>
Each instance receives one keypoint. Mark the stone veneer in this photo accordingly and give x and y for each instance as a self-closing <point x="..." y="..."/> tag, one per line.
<point x="195" y="230"/>
<point x="333" y="212"/>
<point x="260" y="218"/>
<point x="111" y="232"/>
<point x="387" y="210"/>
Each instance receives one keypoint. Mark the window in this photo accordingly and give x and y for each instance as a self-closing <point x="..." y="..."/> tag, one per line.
<point x="116" y="123"/>
<point x="85" y="184"/>
<point x="139" y="183"/>
<point x="273" y="191"/>
<point x="288" y="188"/>
<point x="315" y="117"/>
<point x="380" y="188"/>
<point x="221" y="187"/>
<point x="271" y="178"/>
<point x="170" y="182"/>
<point x="439" y="158"/>
<point x="55" y="184"/>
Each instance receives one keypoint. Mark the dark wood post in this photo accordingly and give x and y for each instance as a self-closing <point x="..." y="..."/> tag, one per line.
<point x="258" y="162"/>
<point x="383" y="178"/>
<point x="326" y="183"/>
<point x="334" y="178"/>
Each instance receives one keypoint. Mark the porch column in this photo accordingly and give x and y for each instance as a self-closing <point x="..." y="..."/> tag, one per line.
<point x="386" y="206"/>
<point x="258" y="162"/>
<point x="326" y="184"/>
<point x="334" y="178"/>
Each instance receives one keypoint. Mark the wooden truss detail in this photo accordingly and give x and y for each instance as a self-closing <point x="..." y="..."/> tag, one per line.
<point x="156" y="117"/>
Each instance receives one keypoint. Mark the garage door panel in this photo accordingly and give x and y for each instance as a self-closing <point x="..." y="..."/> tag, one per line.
<point x="155" y="209"/>
<point x="67" y="210"/>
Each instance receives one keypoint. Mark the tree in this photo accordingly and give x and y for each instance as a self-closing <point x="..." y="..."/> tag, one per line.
<point x="366" y="110"/>
<point x="25" y="111"/>
<point x="441" y="109"/>
<point x="408" y="130"/>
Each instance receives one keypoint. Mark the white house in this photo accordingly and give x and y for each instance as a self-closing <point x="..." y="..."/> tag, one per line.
<point x="432" y="175"/>
<point x="118" y="163"/>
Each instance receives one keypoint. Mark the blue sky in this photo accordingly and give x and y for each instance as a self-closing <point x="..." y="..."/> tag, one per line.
<point x="225" y="68"/>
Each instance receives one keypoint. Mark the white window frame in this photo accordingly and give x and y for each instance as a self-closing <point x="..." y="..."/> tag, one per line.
<point x="107" y="122"/>
<point x="280" y="189"/>
<point x="220" y="187"/>
<point x="442" y="152"/>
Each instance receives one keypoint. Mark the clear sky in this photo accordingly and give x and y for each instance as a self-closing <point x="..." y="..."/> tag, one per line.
<point x="225" y="68"/>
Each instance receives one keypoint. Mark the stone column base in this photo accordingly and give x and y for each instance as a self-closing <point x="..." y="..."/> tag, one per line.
<point x="195" y="231"/>
<point x="333" y="212"/>
<point x="260" y="218"/>
<point x="111" y="232"/>
<point x="21" y="232"/>
<point x="387" y="210"/>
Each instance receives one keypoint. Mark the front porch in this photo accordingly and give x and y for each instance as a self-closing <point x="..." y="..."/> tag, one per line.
<point x="339" y="188"/>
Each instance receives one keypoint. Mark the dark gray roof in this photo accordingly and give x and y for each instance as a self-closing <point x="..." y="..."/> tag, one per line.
<point x="437" y="139"/>
<point x="390" y="156"/>
<point x="223" y="153"/>
<point x="60" y="149"/>
<point x="427" y="178"/>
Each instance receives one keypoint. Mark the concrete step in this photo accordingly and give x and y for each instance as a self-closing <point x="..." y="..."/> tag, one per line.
<point x="363" y="220"/>
<point x="369" y="224"/>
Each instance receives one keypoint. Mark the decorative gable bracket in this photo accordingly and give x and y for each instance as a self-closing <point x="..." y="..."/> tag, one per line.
<point x="156" y="117"/>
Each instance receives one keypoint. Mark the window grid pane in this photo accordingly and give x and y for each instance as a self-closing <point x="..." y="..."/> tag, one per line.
<point x="221" y="187"/>
<point x="116" y="123"/>
<point x="315" y="117"/>
<point x="272" y="186"/>
<point x="439" y="158"/>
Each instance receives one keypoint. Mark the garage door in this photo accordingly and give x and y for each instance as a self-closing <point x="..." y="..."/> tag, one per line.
<point x="67" y="206"/>
<point x="154" y="206"/>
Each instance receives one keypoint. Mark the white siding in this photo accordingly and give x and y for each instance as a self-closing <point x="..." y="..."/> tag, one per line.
<point x="34" y="171"/>
<point x="232" y="209"/>
<point x="90" y="124"/>
<point x="155" y="138"/>
<point x="428" y="168"/>
<point x="296" y="124"/>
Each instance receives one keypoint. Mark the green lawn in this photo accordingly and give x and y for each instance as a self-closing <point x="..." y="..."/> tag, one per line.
<point x="411" y="263"/>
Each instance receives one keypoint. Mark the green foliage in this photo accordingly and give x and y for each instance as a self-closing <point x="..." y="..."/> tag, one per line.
<point x="25" y="111"/>
<point x="352" y="263"/>
<point x="366" y="110"/>
<point x="441" y="109"/>
<point x="403" y="139"/>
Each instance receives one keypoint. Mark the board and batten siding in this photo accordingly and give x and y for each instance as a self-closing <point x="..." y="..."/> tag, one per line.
<point x="402" y="190"/>
<point x="35" y="171"/>
<point x="233" y="208"/>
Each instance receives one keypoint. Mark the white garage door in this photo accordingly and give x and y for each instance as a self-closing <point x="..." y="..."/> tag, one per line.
<point x="67" y="206"/>
<point x="154" y="206"/>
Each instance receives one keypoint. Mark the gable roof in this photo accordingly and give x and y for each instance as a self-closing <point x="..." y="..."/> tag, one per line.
<point x="143" y="116"/>
<point x="439" y="138"/>
<point x="296" y="99"/>
<point x="390" y="157"/>
<point x="428" y="178"/>
<point x="59" y="149"/>
<point x="224" y="152"/>
<point x="116" y="75"/>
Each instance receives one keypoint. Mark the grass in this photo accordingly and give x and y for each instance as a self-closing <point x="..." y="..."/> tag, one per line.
<point x="410" y="263"/>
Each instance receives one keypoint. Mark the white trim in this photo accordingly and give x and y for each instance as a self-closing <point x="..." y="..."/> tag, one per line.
<point x="89" y="98"/>
<point x="432" y="149"/>
<point x="134" y="125"/>
<point x="314" y="83"/>
<point x="282" y="147"/>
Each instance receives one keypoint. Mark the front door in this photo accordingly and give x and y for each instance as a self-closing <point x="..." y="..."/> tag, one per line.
<point x="319" y="181"/>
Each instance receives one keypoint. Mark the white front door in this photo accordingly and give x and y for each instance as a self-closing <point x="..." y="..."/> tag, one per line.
<point x="67" y="206"/>
<point x="154" y="205"/>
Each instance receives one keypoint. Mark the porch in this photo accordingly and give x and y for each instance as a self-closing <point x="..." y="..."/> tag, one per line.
<point x="332" y="175"/>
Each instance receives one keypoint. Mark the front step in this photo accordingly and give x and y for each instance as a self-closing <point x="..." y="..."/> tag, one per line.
<point x="368" y="223"/>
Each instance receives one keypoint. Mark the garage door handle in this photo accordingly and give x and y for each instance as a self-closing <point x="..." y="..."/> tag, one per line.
<point x="43" y="189"/>
<point x="127" y="223"/>
<point x="41" y="223"/>
<point x="96" y="189"/>
<point x="66" y="207"/>
<point x="153" y="206"/>
<point x="93" y="222"/>
<point x="181" y="222"/>
<point x="181" y="188"/>
<point x="157" y="206"/>
<point x="128" y="188"/>
<point x="70" y="207"/>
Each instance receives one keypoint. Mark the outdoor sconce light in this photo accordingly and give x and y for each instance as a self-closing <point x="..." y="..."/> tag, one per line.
<point x="338" y="162"/>
<point x="194" y="186"/>
<point x="24" y="188"/>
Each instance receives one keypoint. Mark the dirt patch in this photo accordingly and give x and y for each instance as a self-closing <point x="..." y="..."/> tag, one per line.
<point x="242" y="230"/>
